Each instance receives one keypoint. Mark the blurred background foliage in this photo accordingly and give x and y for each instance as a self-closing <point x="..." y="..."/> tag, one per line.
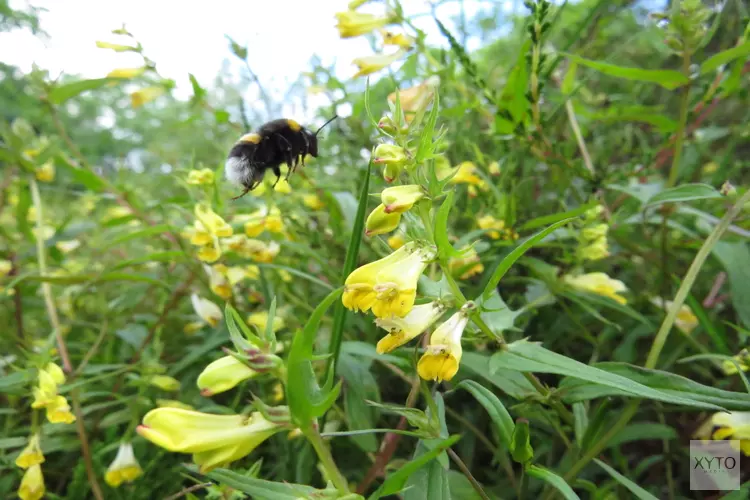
<point x="120" y="190"/>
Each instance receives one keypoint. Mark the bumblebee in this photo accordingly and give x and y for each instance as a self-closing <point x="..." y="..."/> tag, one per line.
<point x="276" y="142"/>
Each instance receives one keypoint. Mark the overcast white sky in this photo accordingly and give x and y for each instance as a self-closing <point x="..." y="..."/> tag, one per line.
<point x="188" y="37"/>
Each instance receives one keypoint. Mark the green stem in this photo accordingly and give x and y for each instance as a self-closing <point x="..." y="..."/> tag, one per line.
<point x="466" y="472"/>
<point x="684" y="102"/>
<point x="326" y="460"/>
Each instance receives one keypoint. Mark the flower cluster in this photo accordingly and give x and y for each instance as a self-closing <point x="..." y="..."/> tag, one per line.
<point x="47" y="397"/>
<point x="592" y="243"/>
<point x="354" y="23"/>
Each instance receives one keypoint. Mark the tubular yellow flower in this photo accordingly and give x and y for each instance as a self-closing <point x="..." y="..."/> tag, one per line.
<point x="223" y="374"/>
<point x="260" y="321"/>
<point x="124" y="468"/>
<point x="200" y="177"/>
<point x="686" y="321"/>
<point x="32" y="454"/>
<point x="57" y="373"/>
<point x="45" y="173"/>
<point x="396" y="241"/>
<point x="212" y="221"/>
<point x="388" y="286"/>
<point x="198" y="234"/>
<point x="218" y="282"/>
<point x="402" y="330"/>
<point x="372" y="64"/>
<point x="145" y="95"/>
<point x="393" y="157"/>
<point x="734" y="425"/>
<point x="32" y="484"/>
<point x="600" y="284"/>
<point x="313" y="202"/>
<point x="352" y="23"/>
<point x="264" y="220"/>
<point x="210" y="253"/>
<point x="267" y="253"/>
<point x="466" y="265"/>
<point x="58" y="411"/>
<point x="207" y="310"/>
<point x="399" y="199"/>
<point x="417" y="97"/>
<point x="466" y="175"/>
<point x="380" y="222"/>
<point x="172" y="403"/>
<point x="493" y="224"/>
<point x="443" y="355"/>
<point x="398" y="39"/>
<point x="214" y="440"/>
<point x="126" y="72"/>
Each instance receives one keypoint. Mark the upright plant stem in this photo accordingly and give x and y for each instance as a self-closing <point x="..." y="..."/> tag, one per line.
<point x="326" y="460"/>
<point x="681" y="124"/>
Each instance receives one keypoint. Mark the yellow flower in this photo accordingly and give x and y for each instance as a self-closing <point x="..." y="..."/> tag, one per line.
<point x="126" y="72"/>
<point x="218" y="282"/>
<point x="223" y="374"/>
<point x="207" y="310"/>
<point x="393" y="157"/>
<point x="416" y="98"/>
<point x="710" y="167"/>
<point x="252" y="272"/>
<point x="596" y="250"/>
<point x="210" y="253"/>
<point x="212" y="221"/>
<point x="595" y="232"/>
<point x="388" y="285"/>
<point x="32" y="454"/>
<point x="5" y="267"/>
<point x="352" y="23"/>
<point x="742" y="359"/>
<point x="466" y="265"/>
<point x="380" y="222"/>
<point x="313" y="202"/>
<point x="58" y="411"/>
<point x="197" y="234"/>
<point x="32" y="484"/>
<point x="267" y="253"/>
<point x="372" y="64"/>
<point x="124" y="468"/>
<point x="67" y="246"/>
<point x="199" y="177"/>
<point x="600" y="284"/>
<point x="494" y="225"/>
<point x="282" y="186"/>
<point x="264" y="220"/>
<point x="397" y="39"/>
<point x="145" y="95"/>
<point x="443" y="354"/>
<point x="399" y="199"/>
<point x="686" y="321"/>
<point x="402" y="330"/>
<point x="734" y="425"/>
<point x="172" y="403"/>
<point x="214" y="440"/>
<point x="396" y="241"/>
<point x="494" y="168"/>
<point x="115" y="47"/>
<point x="465" y="174"/>
<point x="260" y="321"/>
<point x="45" y="173"/>
<point x="164" y="382"/>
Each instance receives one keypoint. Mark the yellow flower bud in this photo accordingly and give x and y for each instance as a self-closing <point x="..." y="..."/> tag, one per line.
<point x="145" y="95"/>
<point x="115" y="47"/>
<point x="598" y="283"/>
<point x="164" y="382"/>
<point x="207" y="310"/>
<point x="396" y="241"/>
<point x="200" y="177"/>
<point x="32" y="484"/>
<point x="45" y="173"/>
<point x="222" y="375"/>
<point x="352" y="23"/>
<point x="399" y="199"/>
<point x="126" y="73"/>
<point x="124" y="468"/>
<point x="380" y="222"/>
<point x="372" y="64"/>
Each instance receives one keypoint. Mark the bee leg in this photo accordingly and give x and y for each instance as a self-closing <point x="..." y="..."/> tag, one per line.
<point x="305" y="149"/>
<point x="247" y="190"/>
<point x="277" y="173"/>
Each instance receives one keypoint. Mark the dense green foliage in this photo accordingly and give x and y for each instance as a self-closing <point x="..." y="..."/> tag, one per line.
<point x="576" y="192"/>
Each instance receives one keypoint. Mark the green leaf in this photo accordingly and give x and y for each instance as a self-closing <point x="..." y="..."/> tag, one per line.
<point x="554" y="480"/>
<point x="445" y="249"/>
<point x="425" y="149"/>
<point x="359" y="386"/>
<point x="669" y="384"/>
<point x="168" y="256"/>
<point x="431" y="481"/>
<point x="239" y="332"/>
<point x="513" y="256"/>
<point x="261" y="489"/>
<point x="685" y="192"/>
<point x="14" y="382"/>
<point x="89" y="179"/>
<point x="545" y="220"/>
<point x="735" y="258"/>
<point x="307" y="400"/>
<point x="643" y="431"/>
<point x="527" y="356"/>
<point x="93" y="278"/>
<point x="570" y="78"/>
<point x="667" y="78"/>
<point x="636" y="490"/>
<point x="494" y="407"/>
<point x="511" y="382"/>
<point x="62" y="93"/>
<point x="497" y="315"/>
<point x="142" y="233"/>
<point x="396" y="480"/>
<point x="352" y="252"/>
<point x="724" y="57"/>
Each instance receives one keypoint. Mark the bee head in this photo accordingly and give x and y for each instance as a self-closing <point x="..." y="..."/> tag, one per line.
<point x="312" y="139"/>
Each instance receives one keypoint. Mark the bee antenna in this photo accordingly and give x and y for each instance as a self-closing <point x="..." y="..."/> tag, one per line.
<point x="326" y="123"/>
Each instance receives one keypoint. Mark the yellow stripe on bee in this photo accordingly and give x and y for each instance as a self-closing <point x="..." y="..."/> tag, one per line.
<point x="294" y="125"/>
<point x="251" y="138"/>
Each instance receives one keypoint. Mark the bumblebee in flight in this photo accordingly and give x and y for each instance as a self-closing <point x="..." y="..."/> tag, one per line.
<point x="276" y="142"/>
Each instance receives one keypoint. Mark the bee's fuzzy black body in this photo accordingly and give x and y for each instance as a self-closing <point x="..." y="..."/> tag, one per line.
<point x="276" y="142"/>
